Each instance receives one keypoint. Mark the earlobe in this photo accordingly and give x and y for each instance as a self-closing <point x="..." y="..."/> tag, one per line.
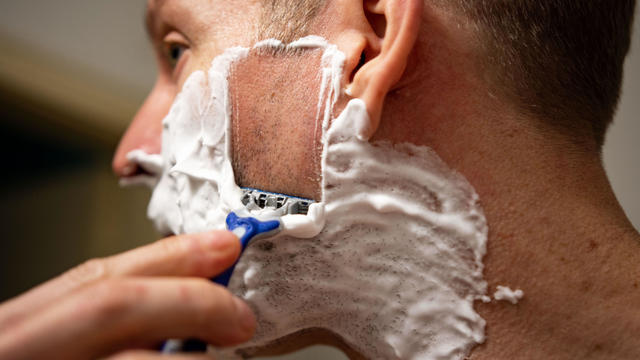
<point x="394" y="26"/>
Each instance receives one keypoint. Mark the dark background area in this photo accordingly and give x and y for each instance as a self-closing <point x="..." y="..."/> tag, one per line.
<point x="59" y="204"/>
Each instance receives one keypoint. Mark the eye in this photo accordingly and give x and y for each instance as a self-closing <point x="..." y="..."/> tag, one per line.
<point x="174" y="53"/>
<point x="175" y="45"/>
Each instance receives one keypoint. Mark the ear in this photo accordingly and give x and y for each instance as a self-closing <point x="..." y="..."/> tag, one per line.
<point x="377" y="57"/>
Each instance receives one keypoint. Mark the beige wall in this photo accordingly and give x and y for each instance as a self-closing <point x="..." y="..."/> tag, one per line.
<point x="622" y="147"/>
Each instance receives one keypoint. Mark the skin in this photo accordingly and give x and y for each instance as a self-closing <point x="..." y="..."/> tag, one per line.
<point x="264" y="117"/>
<point x="556" y="229"/>
<point x="126" y="305"/>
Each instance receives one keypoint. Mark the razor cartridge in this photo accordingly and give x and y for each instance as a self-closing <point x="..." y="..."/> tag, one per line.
<point x="283" y="204"/>
<point x="247" y="228"/>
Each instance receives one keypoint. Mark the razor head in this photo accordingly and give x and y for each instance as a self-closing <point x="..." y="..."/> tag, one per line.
<point x="284" y="204"/>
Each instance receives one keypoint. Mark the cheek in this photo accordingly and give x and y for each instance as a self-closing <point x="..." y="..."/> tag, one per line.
<point x="275" y="125"/>
<point x="192" y="64"/>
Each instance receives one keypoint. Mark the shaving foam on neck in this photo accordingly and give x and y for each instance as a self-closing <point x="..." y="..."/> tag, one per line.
<point x="390" y="260"/>
<point x="398" y="265"/>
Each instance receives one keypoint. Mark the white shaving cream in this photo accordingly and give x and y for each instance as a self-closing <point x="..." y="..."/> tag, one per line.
<point x="390" y="260"/>
<point x="505" y="293"/>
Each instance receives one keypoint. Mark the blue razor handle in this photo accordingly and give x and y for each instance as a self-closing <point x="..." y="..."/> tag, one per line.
<point x="246" y="228"/>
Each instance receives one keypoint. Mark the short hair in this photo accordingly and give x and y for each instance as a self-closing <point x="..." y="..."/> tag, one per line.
<point x="558" y="60"/>
<point x="288" y="20"/>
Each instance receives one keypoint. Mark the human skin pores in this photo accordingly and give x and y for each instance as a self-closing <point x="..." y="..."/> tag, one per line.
<point x="390" y="259"/>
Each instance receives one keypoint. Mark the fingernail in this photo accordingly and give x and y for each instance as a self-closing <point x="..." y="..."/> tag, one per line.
<point x="247" y="319"/>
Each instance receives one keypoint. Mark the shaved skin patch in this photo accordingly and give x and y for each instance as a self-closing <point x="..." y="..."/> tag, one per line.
<point x="388" y="264"/>
<point x="274" y="96"/>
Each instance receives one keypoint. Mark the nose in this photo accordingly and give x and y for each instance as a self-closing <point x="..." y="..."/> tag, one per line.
<point x="145" y="131"/>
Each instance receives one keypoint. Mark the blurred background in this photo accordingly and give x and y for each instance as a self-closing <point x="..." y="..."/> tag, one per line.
<point x="72" y="74"/>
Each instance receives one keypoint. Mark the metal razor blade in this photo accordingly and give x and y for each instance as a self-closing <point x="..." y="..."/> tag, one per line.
<point x="282" y="204"/>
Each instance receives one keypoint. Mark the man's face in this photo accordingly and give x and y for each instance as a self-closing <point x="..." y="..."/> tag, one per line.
<point x="277" y="130"/>
<point x="398" y="224"/>
<point x="186" y="35"/>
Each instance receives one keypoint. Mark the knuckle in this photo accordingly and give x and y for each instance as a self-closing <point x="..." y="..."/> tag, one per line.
<point x="109" y="299"/>
<point x="175" y="248"/>
<point x="89" y="271"/>
<point x="171" y="245"/>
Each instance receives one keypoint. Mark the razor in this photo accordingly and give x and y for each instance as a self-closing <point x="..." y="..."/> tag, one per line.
<point x="247" y="228"/>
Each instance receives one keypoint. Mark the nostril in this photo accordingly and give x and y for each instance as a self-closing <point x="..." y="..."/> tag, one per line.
<point x="137" y="163"/>
<point x="123" y="167"/>
<point x="139" y="167"/>
<point x="133" y="170"/>
<point x="127" y="170"/>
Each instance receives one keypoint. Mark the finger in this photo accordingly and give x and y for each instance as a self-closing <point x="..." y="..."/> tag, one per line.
<point x="133" y="313"/>
<point x="151" y="355"/>
<point x="196" y="255"/>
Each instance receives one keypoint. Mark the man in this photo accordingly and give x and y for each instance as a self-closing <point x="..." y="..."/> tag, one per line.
<point x="516" y="96"/>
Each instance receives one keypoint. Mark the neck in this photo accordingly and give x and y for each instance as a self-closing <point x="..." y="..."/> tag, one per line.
<point x="556" y="231"/>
